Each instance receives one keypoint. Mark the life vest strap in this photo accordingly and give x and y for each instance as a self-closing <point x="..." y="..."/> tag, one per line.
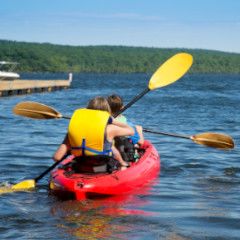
<point x="104" y="152"/>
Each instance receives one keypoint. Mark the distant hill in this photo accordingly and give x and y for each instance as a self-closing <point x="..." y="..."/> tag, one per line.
<point x="45" y="57"/>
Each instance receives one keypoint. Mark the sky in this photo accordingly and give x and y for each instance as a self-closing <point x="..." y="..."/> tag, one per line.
<point x="201" y="24"/>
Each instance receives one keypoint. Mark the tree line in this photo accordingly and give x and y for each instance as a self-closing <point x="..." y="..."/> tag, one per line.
<point x="46" y="57"/>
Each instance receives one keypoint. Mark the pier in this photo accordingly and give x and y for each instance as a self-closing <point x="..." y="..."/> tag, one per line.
<point x="21" y="86"/>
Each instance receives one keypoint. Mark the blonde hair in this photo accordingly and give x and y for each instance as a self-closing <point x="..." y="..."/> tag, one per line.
<point x="99" y="103"/>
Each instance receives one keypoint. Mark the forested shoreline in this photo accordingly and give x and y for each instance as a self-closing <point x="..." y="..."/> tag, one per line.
<point x="46" y="57"/>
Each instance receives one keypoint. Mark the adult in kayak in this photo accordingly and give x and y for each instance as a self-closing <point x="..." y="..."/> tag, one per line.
<point x="91" y="132"/>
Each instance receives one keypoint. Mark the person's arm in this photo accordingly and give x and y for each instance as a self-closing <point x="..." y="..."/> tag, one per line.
<point x="62" y="150"/>
<point x="140" y="133"/>
<point x="118" y="156"/>
<point x="117" y="131"/>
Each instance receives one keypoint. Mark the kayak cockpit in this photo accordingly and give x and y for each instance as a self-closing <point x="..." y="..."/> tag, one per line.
<point x="93" y="178"/>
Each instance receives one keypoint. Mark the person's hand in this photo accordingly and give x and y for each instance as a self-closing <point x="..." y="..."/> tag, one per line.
<point x="124" y="164"/>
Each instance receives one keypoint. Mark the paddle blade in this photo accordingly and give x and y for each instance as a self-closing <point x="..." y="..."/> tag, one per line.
<point x="215" y="140"/>
<point x="171" y="70"/>
<point x="36" y="110"/>
<point x="6" y="189"/>
<point x="24" y="185"/>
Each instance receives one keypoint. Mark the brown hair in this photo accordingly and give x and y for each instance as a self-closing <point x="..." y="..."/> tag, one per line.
<point x="99" y="103"/>
<point x="115" y="102"/>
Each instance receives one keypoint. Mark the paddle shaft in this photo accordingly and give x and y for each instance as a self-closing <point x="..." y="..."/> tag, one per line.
<point x="66" y="117"/>
<point x="166" y="134"/>
<point x="216" y="140"/>
<point x="135" y="99"/>
<point x="47" y="170"/>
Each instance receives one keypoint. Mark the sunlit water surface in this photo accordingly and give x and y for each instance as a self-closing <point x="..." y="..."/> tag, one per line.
<point x="196" y="195"/>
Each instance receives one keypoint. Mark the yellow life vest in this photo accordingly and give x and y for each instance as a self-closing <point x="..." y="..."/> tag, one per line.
<point x="86" y="132"/>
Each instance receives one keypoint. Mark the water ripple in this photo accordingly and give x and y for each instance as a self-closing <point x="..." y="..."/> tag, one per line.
<point x="196" y="195"/>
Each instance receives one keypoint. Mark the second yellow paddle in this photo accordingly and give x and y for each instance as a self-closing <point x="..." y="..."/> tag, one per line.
<point x="169" y="72"/>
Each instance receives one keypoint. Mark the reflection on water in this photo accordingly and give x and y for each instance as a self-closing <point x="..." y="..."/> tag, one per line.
<point x="98" y="218"/>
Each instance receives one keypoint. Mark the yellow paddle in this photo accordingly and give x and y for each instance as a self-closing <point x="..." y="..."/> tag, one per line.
<point x="169" y="72"/>
<point x="215" y="140"/>
<point x="36" y="110"/>
<point x="40" y="111"/>
<point x="27" y="184"/>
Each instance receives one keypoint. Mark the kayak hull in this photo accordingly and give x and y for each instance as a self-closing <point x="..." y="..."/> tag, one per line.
<point x="81" y="185"/>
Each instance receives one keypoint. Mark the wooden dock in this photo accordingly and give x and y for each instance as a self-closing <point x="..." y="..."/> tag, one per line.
<point x="20" y="87"/>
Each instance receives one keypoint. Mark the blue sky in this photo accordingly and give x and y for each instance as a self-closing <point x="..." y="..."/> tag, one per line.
<point x="204" y="24"/>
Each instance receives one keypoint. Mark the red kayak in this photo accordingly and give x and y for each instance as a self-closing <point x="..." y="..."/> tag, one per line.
<point x="66" y="182"/>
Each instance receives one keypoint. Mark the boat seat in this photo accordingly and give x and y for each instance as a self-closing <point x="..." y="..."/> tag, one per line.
<point x="95" y="164"/>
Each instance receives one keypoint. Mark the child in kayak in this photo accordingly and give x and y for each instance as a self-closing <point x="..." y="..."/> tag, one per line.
<point x="91" y="132"/>
<point x="127" y="146"/>
<point x="116" y="104"/>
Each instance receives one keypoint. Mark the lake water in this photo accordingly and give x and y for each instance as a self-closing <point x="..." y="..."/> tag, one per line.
<point x="196" y="195"/>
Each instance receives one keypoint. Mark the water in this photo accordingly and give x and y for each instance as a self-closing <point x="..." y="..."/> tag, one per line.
<point x="196" y="195"/>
